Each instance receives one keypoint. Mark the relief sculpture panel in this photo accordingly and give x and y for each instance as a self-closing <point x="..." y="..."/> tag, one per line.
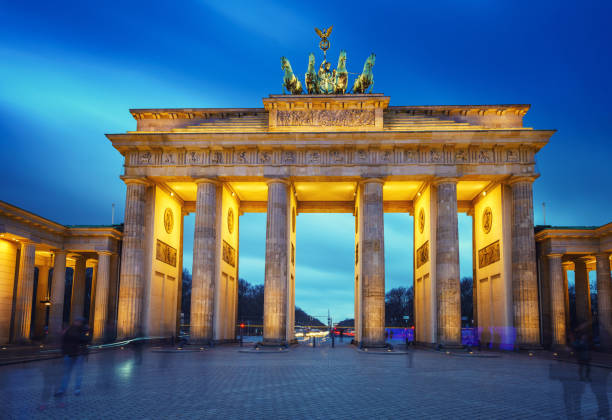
<point x="488" y="255"/>
<point x="326" y="118"/>
<point x="422" y="254"/>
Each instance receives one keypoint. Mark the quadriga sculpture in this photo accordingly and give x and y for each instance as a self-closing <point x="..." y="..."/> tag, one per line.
<point x="341" y="75"/>
<point x="290" y="82"/>
<point x="366" y="78"/>
<point x="311" y="78"/>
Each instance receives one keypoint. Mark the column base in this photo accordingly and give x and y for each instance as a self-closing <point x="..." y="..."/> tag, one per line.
<point x="448" y="346"/>
<point x="273" y="343"/>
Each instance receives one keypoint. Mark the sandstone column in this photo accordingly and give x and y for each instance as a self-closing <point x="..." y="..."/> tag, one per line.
<point x="205" y="264"/>
<point x="524" y="279"/>
<point x="77" y="303"/>
<point x="583" y="296"/>
<point x="277" y="243"/>
<point x="23" y="297"/>
<point x="604" y="300"/>
<point x="101" y="296"/>
<point x="58" y="288"/>
<point x="372" y="239"/>
<point x="448" y="288"/>
<point x="42" y="293"/>
<point x="557" y="300"/>
<point x="131" y="283"/>
<point x="566" y="267"/>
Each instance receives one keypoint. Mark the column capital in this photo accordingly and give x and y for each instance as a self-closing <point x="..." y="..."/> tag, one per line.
<point x="371" y="180"/>
<point x="444" y="180"/>
<point x="199" y="181"/>
<point x="278" y="181"/>
<point x="520" y="179"/>
<point x="554" y="255"/>
<point x="109" y="253"/>
<point x="136" y="180"/>
<point x="602" y="255"/>
<point x="59" y="251"/>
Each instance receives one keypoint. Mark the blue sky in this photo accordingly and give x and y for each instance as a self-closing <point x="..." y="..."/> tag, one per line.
<point x="69" y="72"/>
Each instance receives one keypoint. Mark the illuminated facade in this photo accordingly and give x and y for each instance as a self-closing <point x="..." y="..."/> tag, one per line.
<point x="324" y="154"/>
<point x="353" y="154"/>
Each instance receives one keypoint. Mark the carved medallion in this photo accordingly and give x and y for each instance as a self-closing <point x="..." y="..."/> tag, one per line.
<point x="168" y="220"/>
<point x="230" y="221"/>
<point x="487" y="220"/>
<point x="421" y="221"/>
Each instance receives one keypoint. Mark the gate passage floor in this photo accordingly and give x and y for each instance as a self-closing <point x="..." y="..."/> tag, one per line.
<point x="323" y="382"/>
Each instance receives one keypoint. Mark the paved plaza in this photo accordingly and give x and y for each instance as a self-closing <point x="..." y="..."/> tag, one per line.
<point x="323" y="382"/>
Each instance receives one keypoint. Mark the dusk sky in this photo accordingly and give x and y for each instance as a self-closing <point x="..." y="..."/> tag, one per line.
<point x="69" y="72"/>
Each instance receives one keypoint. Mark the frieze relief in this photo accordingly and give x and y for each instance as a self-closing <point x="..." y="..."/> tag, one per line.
<point x="229" y="254"/>
<point x="337" y="156"/>
<point x="326" y="118"/>
<point x="422" y="254"/>
<point x="488" y="255"/>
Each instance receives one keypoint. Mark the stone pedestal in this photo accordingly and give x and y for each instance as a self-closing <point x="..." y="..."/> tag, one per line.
<point x="604" y="300"/>
<point x="205" y="245"/>
<point x="276" y="280"/>
<point x="557" y="300"/>
<point x="372" y="239"/>
<point x="448" y="289"/>
<point x="23" y="297"/>
<point x="583" y="297"/>
<point x="131" y="283"/>
<point x="77" y="303"/>
<point x="100" y="319"/>
<point x="524" y="279"/>
<point x="58" y="288"/>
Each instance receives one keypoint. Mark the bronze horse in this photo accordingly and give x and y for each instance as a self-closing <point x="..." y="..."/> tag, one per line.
<point x="290" y="82"/>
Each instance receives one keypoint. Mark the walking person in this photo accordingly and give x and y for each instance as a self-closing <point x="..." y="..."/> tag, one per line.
<point x="74" y="348"/>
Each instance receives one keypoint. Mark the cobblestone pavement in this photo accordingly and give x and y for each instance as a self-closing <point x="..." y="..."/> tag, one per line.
<point x="303" y="383"/>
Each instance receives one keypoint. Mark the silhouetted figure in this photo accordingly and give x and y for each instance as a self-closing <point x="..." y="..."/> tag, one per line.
<point x="48" y="370"/>
<point x="583" y="355"/>
<point x="573" y="387"/>
<point x="74" y="348"/>
<point x="137" y="346"/>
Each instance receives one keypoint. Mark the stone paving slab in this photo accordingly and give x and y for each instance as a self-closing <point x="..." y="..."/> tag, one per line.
<point x="305" y="382"/>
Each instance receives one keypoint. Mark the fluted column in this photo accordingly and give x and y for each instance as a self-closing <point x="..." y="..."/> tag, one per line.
<point x="583" y="295"/>
<point x="205" y="264"/>
<point x="372" y="241"/>
<point x="557" y="300"/>
<point x="604" y="300"/>
<point x="58" y="288"/>
<point x="131" y="283"/>
<point x="77" y="303"/>
<point x="448" y="289"/>
<point x="524" y="279"/>
<point x="23" y="297"/>
<point x="277" y="242"/>
<point x="101" y="296"/>
<point x="566" y="266"/>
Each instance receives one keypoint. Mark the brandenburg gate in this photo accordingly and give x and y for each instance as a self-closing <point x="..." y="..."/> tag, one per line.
<point x="331" y="154"/>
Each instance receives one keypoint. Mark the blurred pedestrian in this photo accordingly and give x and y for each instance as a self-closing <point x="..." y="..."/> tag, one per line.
<point x="583" y="355"/>
<point x="74" y="348"/>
